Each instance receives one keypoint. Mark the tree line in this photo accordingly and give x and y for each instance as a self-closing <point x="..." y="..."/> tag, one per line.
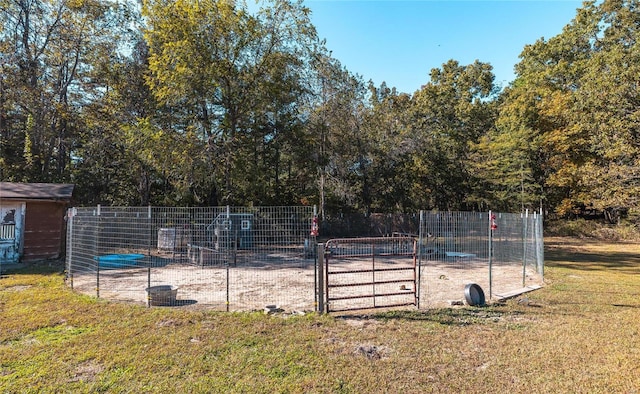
<point x="202" y="102"/>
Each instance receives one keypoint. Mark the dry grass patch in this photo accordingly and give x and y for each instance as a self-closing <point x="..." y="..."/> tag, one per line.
<point x="577" y="335"/>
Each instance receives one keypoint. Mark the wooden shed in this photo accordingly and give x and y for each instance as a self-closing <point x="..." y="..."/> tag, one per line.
<point x="32" y="220"/>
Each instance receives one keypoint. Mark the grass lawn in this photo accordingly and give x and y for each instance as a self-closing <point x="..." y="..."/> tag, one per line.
<point x="579" y="334"/>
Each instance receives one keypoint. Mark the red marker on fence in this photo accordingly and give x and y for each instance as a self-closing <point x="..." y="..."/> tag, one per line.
<point x="314" y="227"/>
<point x="494" y="226"/>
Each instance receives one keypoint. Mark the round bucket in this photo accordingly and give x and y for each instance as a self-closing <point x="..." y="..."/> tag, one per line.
<point x="163" y="295"/>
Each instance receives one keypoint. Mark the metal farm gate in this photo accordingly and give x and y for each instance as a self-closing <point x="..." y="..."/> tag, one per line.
<point x="365" y="273"/>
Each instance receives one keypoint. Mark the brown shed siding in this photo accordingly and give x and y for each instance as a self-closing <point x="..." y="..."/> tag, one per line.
<point x="43" y="230"/>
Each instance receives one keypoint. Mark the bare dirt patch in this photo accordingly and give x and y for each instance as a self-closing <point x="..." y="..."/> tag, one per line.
<point x="289" y="283"/>
<point x="87" y="371"/>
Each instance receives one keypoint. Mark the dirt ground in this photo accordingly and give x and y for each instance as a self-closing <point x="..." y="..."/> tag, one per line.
<point x="288" y="282"/>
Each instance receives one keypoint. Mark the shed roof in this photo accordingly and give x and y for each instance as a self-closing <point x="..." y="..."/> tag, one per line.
<point x="36" y="191"/>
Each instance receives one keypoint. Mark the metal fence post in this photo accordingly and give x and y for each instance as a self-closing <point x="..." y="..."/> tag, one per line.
<point x="421" y="242"/>
<point x="524" y="247"/>
<point x="320" y="278"/>
<point x="490" y="254"/>
<point x="539" y="243"/>
<point x="150" y="260"/>
<point x="227" y="285"/>
<point x="70" y="217"/>
<point x="97" y="250"/>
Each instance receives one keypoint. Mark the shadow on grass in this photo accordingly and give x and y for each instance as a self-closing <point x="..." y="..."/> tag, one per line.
<point x="593" y="295"/>
<point x="184" y="302"/>
<point x="596" y="289"/>
<point x="176" y="303"/>
<point x="445" y="316"/>
<point x="590" y="261"/>
<point x="626" y="306"/>
<point x="43" y="267"/>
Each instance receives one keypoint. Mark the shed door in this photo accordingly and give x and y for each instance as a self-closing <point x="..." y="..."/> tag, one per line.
<point x="11" y="230"/>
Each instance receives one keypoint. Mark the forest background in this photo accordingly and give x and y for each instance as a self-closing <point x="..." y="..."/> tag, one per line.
<point x="203" y="103"/>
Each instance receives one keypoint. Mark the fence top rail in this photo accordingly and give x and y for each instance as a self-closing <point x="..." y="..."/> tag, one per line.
<point x="370" y="240"/>
<point x="367" y="246"/>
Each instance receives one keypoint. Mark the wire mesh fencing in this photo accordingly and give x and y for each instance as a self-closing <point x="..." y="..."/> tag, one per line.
<point x="229" y="258"/>
<point x="249" y="258"/>
<point x="500" y="252"/>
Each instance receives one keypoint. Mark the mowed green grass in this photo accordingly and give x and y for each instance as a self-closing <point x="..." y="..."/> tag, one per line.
<point x="579" y="334"/>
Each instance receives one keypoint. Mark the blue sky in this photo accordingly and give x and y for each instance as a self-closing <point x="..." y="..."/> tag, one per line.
<point x="399" y="42"/>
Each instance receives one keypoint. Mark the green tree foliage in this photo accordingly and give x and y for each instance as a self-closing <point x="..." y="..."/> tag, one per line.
<point x="116" y="175"/>
<point x="204" y="103"/>
<point x="451" y="113"/>
<point x="573" y="110"/>
<point x="50" y="50"/>
<point x="335" y="132"/>
<point x="388" y="126"/>
<point x="236" y="79"/>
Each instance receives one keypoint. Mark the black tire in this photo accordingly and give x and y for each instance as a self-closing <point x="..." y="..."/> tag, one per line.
<point x="474" y="295"/>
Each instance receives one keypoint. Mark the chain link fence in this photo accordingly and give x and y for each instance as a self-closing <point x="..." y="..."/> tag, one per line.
<point x="250" y="258"/>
